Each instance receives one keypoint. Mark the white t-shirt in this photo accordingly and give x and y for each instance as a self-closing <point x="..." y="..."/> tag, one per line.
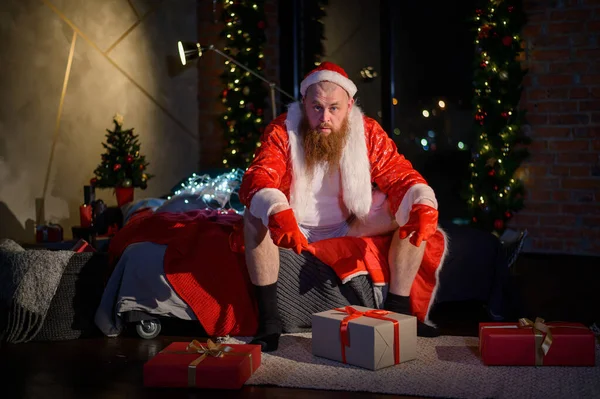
<point x="326" y="205"/>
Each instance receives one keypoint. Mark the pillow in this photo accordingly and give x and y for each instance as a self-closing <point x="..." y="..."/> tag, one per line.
<point x="183" y="203"/>
<point x="132" y="207"/>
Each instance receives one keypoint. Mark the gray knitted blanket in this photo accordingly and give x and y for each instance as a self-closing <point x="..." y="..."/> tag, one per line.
<point x="28" y="282"/>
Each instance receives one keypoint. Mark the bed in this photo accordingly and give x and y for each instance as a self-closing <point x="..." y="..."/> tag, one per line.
<point x="475" y="269"/>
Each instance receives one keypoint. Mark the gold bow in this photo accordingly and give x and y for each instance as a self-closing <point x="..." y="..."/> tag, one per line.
<point x="542" y="343"/>
<point x="211" y="349"/>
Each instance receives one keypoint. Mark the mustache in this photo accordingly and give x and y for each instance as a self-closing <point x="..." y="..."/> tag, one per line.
<point x="325" y="126"/>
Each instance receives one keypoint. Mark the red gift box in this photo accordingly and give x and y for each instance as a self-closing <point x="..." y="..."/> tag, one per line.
<point x="208" y="365"/>
<point x="528" y="343"/>
<point x="82" y="246"/>
<point x="49" y="233"/>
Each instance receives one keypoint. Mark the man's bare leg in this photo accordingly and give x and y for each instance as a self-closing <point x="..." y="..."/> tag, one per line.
<point x="262" y="260"/>
<point x="405" y="259"/>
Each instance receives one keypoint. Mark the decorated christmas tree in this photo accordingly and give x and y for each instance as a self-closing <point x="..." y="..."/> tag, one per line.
<point x="243" y="95"/>
<point x="495" y="192"/>
<point x="122" y="164"/>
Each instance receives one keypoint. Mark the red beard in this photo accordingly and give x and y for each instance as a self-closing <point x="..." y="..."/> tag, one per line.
<point x="321" y="148"/>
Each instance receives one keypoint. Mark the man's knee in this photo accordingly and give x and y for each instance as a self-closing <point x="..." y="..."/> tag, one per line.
<point x="255" y="232"/>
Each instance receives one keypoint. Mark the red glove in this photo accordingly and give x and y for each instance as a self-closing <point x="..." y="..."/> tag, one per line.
<point x="423" y="221"/>
<point x="285" y="232"/>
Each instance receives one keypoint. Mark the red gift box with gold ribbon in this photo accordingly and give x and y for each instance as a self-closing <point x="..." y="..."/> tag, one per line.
<point x="202" y="365"/>
<point x="536" y="343"/>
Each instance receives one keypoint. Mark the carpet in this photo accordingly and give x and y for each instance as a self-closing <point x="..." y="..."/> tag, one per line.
<point x="446" y="367"/>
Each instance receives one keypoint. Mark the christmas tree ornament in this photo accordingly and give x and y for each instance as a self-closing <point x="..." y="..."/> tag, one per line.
<point x="503" y="75"/>
<point x="117" y="167"/>
<point x="129" y="158"/>
<point x="507" y="40"/>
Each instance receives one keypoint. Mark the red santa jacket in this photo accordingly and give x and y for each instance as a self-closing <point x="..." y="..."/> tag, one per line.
<point x="370" y="156"/>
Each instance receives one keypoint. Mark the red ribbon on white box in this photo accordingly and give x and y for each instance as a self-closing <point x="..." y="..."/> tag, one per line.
<point x="375" y="314"/>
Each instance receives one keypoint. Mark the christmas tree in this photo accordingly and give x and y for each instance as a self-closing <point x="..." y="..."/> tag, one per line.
<point x="244" y="95"/>
<point x="495" y="193"/>
<point x="122" y="164"/>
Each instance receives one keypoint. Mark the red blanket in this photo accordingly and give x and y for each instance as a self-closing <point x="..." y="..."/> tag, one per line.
<point x="205" y="264"/>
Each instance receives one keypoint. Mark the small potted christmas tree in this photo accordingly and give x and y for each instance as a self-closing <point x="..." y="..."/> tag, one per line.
<point x="122" y="166"/>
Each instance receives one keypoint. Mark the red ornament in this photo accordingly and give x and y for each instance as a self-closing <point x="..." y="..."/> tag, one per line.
<point x="484" y="31"/>
<point x="479" y="11"/>
<point x="474" y="219"/>
<point x="492" y="172"/>
<point x="508" y="215"/>
<point x="142" y="166"/>
<point x="93" y="181"/>
<point x="259" y="112"/>
<point x="511" y="8"/>
<point x="496" y="188"/>
<point x="129" y="159"/>
<point x="480" y="116"/>
<point x="483" y="64"/>
<point x="224" y="93"/>
<point x="117" y="167"/>
<point x="504" y="114"/>
<point x="499" y="224"/>
<point x="507" y="40"/>
<point x="261" y="24"/>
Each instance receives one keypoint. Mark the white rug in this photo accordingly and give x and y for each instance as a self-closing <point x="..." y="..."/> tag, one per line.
<point x="448" y="367"/>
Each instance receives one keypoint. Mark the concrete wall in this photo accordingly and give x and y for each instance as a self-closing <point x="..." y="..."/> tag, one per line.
<point x="67" y="67"/>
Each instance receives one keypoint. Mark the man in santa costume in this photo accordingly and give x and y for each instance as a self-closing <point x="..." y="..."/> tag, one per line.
<point x="324" y="170"/>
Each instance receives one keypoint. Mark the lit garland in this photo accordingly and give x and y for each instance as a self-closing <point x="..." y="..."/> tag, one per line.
<point x="215" y="193"/>
<point x="494" y="193"/>
<point x="244" y="95"/>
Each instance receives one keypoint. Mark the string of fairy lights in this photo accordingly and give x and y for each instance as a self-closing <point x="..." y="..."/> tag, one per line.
<point x="495" y="193"/>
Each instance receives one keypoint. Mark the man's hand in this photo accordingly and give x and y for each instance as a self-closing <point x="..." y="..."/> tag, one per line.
<point x="422" y="221"/>
<point x="285" y="232"/>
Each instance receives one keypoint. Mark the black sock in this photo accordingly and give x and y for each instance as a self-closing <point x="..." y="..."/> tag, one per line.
<point x="401" y="304"/>
<point x="397" y="303"/>
<point x="269" y="321"/>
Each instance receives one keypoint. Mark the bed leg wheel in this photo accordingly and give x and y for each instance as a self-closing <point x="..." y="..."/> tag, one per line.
<point x="148" y="329"/>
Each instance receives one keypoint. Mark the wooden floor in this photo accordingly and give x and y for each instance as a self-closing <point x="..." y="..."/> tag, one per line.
<point x="553" y="287"/>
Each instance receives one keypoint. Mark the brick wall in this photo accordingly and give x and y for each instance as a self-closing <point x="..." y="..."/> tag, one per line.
<point x="562" y="96"/>
<point x="210" y="67"/>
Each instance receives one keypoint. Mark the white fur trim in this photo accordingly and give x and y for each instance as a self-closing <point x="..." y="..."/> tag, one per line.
<point x="264" y="201"/>
<point x="417" y="194"/>
<point x="354" y="166"/>
<point x="351" y="276"/>
<point x="328" y="76"/>
<point x="437" y="278"/>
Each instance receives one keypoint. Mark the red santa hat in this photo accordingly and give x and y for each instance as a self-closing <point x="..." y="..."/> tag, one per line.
<point x="328" y="72"/>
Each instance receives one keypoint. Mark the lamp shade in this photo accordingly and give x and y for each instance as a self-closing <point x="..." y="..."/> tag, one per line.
<point x="189" y="51"/>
